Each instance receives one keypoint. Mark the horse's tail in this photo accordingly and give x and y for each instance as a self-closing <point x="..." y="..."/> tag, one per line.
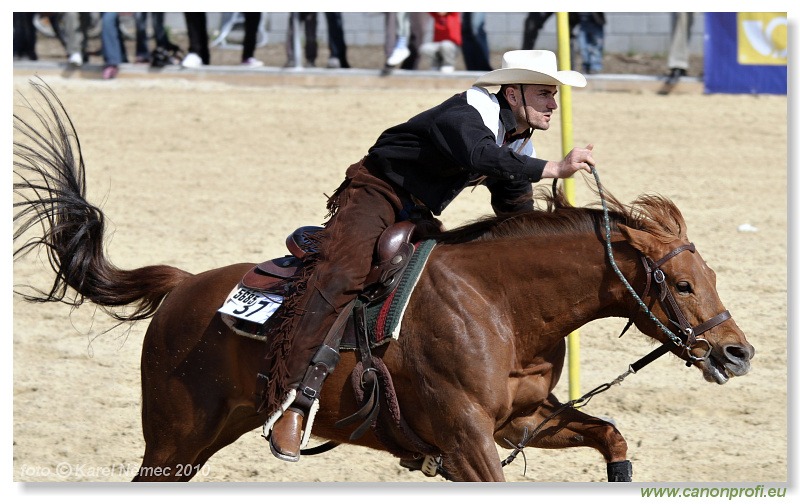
<point x="50" y="189"/>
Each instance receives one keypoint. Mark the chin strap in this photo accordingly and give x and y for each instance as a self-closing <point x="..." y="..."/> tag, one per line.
<point x="524" y="105"/>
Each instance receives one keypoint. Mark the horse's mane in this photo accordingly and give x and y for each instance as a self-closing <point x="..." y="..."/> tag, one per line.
<point x="652" y="213"/>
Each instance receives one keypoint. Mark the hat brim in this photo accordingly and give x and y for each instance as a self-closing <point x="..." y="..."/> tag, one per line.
<point x="522" y="76"/>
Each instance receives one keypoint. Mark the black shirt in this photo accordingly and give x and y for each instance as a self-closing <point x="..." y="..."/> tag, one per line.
<point x="437" y="153"/>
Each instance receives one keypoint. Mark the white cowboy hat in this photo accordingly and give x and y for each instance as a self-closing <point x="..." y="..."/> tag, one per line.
<point x="531" y="67"/>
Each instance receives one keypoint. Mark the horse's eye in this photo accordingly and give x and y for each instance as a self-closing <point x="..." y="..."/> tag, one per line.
<point x="684" y="287"/>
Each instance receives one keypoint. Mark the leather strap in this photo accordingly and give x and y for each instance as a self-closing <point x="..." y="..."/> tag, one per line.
<point x="368" y="411"/>
<point x="712" y="322"/>
<point x="669" y="345"/>
<point x="688" y="246"/>
<point x="324" y="361"/>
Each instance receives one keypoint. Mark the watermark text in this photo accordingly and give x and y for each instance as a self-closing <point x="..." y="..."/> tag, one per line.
<point x="71" y="471"/>
<point x="729" y="493"/>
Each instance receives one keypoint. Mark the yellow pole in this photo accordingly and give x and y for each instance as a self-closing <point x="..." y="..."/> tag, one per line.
<point x="564" y="63"/>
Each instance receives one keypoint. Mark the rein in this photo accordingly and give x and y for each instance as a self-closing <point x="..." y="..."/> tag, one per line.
<point x="675" y="314"/>
<point x="653" y="269"/>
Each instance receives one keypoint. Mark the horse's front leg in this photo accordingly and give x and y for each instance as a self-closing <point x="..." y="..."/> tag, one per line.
<point x="469" y="452"/>
<point x="567" y="429"/>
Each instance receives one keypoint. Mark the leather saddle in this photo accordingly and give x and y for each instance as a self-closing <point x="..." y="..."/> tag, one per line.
<point x="393" y="251"/>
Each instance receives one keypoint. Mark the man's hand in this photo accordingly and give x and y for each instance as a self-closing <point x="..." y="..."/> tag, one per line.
<point x="577" y="159"/>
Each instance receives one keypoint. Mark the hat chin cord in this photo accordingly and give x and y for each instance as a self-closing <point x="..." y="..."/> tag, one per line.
<point x="524" y="105"/>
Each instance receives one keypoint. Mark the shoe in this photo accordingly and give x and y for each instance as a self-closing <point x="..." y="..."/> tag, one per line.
<point x="334" y="63"/>
<point x="252" y="63"/>
<point x="75" y="59"/>
<point x="192" y="60"/>
<point x="447" y="69"/>
<point x="286" y="435"/>
<point x="398" y="56"/>
<point x="675" y="74"/>
<point x="110" y="72"/>
<point x="142" y="59"/>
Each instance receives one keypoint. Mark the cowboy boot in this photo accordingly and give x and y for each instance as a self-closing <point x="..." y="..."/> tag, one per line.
<point x="286" y="438"/>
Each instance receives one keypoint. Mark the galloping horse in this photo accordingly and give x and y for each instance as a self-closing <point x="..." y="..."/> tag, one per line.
<point x="482" y="343"/>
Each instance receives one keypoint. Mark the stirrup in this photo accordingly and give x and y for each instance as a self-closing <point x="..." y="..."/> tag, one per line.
<point x="308" y="415"/>
<point x="287" y="401"/>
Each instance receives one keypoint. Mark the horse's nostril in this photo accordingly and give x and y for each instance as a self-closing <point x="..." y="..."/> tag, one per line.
<point x="736" y="353"/>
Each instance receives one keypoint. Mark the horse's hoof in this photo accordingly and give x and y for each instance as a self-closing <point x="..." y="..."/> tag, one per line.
<point x="620" y="471"/>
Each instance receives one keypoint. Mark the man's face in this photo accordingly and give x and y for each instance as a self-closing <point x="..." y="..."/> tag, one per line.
<point x="541" y="103"/>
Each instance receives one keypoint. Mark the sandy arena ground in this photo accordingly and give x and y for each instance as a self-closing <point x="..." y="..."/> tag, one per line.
<point x="199" y="174"/>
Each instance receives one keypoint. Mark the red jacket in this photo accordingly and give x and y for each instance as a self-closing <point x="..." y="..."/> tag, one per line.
<point x="446" y="26"/>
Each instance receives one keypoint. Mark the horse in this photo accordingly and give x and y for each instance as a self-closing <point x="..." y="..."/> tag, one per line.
<point x="482" y="342"/>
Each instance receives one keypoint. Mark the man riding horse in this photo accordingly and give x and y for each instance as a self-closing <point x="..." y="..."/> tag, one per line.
<point x="418" y="167"/>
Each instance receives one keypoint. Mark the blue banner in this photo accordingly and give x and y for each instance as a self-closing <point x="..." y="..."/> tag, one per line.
<point x="746" y="52"/>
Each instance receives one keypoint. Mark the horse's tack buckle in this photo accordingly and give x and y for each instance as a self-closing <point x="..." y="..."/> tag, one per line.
<point x="371" y="370"/>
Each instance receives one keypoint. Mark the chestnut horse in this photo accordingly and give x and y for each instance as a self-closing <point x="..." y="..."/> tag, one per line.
<point x="482" y="344"/>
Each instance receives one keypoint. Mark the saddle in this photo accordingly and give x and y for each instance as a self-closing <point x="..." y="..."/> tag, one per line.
<point x="393" y="251"/>
<point x="382" y="311"/>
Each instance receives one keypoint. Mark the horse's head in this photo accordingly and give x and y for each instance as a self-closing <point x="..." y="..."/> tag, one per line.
<point x="681" y="293"/>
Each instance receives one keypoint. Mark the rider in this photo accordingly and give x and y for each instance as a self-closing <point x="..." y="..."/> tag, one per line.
<point x="474" y="137"/>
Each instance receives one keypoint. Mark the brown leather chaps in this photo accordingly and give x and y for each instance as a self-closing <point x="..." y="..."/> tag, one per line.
<point x="363" y="207"/>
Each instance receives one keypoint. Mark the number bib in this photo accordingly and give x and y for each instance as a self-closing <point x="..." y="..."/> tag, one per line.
<point x="250" y="305"/>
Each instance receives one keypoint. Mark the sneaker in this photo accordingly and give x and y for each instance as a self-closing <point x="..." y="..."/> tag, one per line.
<point x="192" y="60"/>
<point x="334" y="63"/>
<point x="398" y="56"/>
<point x="252" y="63"/>
<point x="675" y="75"/>
<point x="75" y="59"/>
<point x="447" y="69"/>
<point x="110" y="72"/>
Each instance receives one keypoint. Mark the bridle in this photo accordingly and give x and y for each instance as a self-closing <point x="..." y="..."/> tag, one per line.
<point x="657" y="279"/>
<point x="655" y="276"/>
<point x="688" y="335"/>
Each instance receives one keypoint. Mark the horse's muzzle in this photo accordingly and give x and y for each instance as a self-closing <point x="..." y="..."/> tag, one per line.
<point x="727" y="362"/>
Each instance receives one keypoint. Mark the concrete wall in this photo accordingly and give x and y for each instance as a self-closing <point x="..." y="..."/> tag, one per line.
<point x="639" y="32"/>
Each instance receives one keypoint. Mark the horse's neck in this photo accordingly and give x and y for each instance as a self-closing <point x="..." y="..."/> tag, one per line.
<point x="556" y="285"/>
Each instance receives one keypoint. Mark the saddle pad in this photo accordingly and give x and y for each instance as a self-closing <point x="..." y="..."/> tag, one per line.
<point x="384" y="319"/>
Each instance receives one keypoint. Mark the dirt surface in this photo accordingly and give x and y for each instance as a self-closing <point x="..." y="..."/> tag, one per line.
<point x="202" y="174"/>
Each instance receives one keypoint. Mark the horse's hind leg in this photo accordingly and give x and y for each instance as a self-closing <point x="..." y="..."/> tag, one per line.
<point x="571" y="428"/>
<point x="178" y="455"/>
<point x="167" y="463"/>
<point x="173" y="444"/>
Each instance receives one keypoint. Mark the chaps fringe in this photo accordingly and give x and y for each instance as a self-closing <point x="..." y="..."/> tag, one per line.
<point x="281" y="332"/>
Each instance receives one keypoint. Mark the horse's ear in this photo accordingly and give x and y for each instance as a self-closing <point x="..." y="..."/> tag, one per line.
<point x="642" y="241"/>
